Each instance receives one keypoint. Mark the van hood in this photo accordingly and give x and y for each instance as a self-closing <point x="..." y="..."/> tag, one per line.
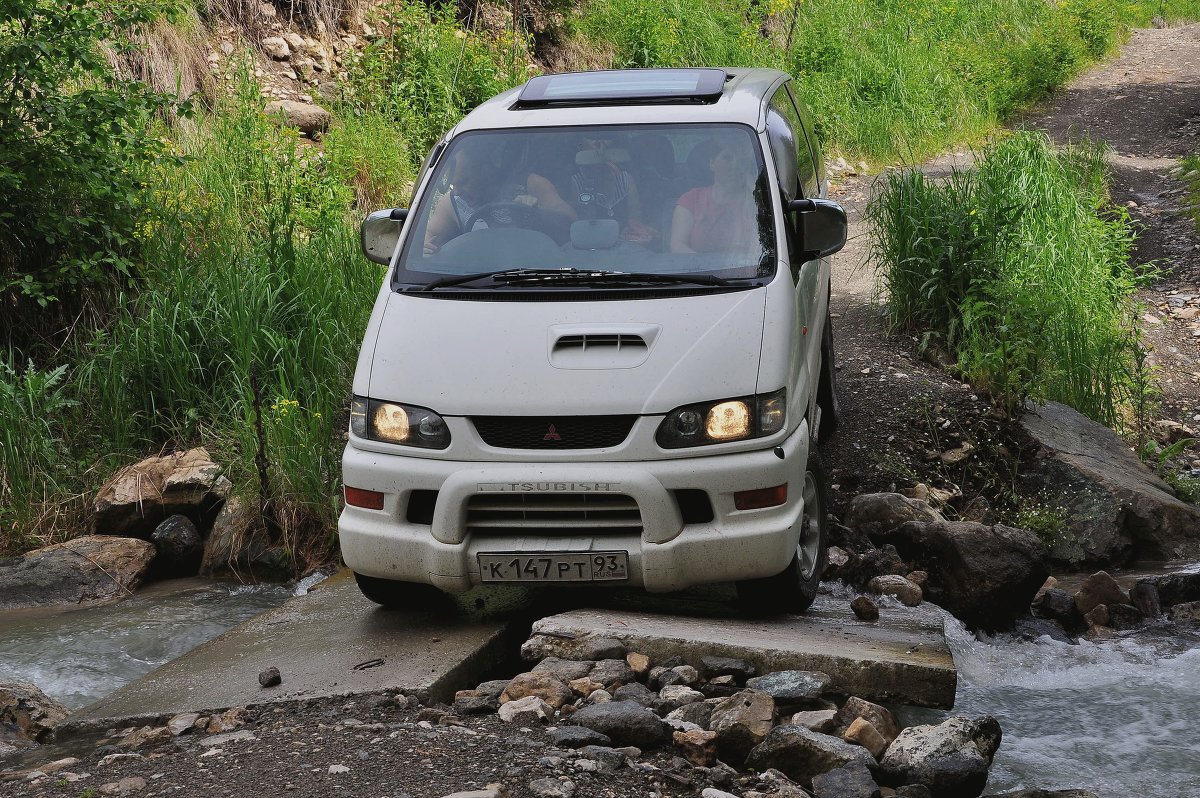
<point x="644" y="356"/>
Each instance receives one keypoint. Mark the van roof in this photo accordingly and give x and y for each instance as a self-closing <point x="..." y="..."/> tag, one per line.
<point x="644" y="96"/>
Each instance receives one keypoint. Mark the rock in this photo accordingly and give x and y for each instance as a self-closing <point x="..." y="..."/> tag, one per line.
<point x="720" y="687"/>
<point x="908" y="593"/>
<point x="1114" y="506"/>
<point x="1058" y="605"/>
<point x="475" y="702"/>
<point x="913" y="791"/>
<point x="1177" y="588"/>
<point x="713" y="792"/>
<point x="791" y="687"/>
<point x="879" y="717"/>
<point x="612" y="673"/>
<point x="146" y="737"/>
<point x="880" y="512"/>
<point x="552" y="787"/>
<point x="227" y="737"/>
<point x="697" y="746"/>
<point x="295" y="41"/>
<point x="862" y="732"/>
<point x="1187" y="612"/>
<point x="638" y="663"/>
<point x="951" y="759"/>
<point x="270" y="677"/>
<point x="546" y="686"/>
<point x="178" y="545"/>
<point x="183" y="723"/>
<point x="528" y="711"/>
<point x="625" y="723"/>
<point x="862" y="568"/>
<point x="636" y="691"/>
<point x="577" y="737"/>
<point x="277" y="48"/>
<point x="491" y="791"/>
<point x="985" y="575"/>
<point x="493" y="688"/>
<point x="1033" y="629"/>
<point x="823" y="721"/>
<point x="1124" y="616"/>
<point x="699" y="713"/>
<point x="125" y="786"/>
<point x="141" y="496"/>
<point x="239" y="546"/>
<point x="711" y="667"/>
<point x="865" y="609"/>
<point x="599" y="697"/>
<point x="90" y="568"/>
<point x="848" y="781"/>
<point x="228" y="720"/>
<point x="29" y="712"/>
<point x="565" y="669"/>
<point x="1144" y="595"/>
<point x="611" y="758"/>
<point x="674" y="696"/>
<point x="1099" y="588"/>
<point x="585" y="686"/>
<point x="741" y="722"/>
<point x="310" y="119"/>
<point x="582" y="647"/>
<point x="802" y="754"/>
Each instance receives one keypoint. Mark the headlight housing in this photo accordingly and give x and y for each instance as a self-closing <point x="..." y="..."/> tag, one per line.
<point x="392" y="422"/>
<point x="724" y="420"/>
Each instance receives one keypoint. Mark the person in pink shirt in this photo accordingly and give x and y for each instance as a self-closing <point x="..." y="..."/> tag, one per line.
<point x="722" y="217"/>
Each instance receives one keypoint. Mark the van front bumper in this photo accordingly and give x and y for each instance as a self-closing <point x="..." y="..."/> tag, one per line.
<point x="666" y="555"/>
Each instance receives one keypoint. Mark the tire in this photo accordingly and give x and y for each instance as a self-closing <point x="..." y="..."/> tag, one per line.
<point x="827" y="398"/>
<point x="393" y="595"/>
<point x="794" y="589"/>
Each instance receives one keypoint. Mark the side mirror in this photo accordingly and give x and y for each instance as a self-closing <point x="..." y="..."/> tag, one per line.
<point x="821" y="225"/>
<point x="379" y="233"/>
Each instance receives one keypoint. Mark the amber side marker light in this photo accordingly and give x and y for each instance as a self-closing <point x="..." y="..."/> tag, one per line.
<point x="758" y="499"/>
<point x="369" y="499"/>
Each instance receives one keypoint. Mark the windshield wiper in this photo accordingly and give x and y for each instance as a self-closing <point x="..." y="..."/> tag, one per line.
<point x="604" y="276"/>
<point x="499" y="275"/>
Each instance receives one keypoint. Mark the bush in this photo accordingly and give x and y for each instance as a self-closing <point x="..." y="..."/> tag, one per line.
<point x="75" y="149"/>
<point x="1019" y="268"/>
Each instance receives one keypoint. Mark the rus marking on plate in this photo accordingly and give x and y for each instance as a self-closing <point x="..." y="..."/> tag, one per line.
<point x="548" y="487"/>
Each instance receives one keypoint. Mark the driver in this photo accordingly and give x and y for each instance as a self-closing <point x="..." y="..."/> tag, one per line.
<point x="475" y="185"/>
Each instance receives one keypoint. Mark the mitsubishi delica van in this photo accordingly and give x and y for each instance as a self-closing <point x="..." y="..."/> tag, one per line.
<point x="601" y="353"/>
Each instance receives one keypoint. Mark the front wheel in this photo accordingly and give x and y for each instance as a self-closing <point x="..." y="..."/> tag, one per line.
<point x="393" y="595"/>
<point x="795" y="588"/>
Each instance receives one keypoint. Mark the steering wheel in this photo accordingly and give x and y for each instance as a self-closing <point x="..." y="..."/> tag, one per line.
<point x="501" y="214"/>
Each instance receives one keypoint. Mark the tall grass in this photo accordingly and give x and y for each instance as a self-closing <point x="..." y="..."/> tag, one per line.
<point x="1019" y="268"/>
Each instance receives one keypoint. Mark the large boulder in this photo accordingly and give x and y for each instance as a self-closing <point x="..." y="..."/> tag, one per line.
<point x="311" y="120"/>
<point x="239" y="546"/>
<point x="873" y="513"/>
<point x="625" y="723"/>
<point x="1177" y="588"/>
<point x="741" y="722"/>
<point x="802" y="754"/>
<point x="951" y="759"/>
<point x="26" y="713"/>
<point x="90" y="568"/>
<point x="140" y="497"/>
<point x="1115" y="509"/>
<point x="984" y="575"/>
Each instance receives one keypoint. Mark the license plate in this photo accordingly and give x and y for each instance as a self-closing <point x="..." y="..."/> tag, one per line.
<point x="592" y="566"/>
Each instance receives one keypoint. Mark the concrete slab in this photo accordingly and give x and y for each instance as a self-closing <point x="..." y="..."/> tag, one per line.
<point x="901" y="659"/>
<point x="329" y="642"/>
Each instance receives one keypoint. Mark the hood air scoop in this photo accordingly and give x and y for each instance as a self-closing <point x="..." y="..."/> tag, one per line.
<point x="623" y="346"/>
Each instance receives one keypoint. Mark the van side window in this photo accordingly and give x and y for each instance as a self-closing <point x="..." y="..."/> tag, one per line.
<point x="812" y="189"/>
<point x="782" y="126"/>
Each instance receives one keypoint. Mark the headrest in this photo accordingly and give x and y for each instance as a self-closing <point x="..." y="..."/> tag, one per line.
<point x="597" y="157"/>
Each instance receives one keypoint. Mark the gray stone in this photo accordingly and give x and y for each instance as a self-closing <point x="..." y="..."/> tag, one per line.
<point x="577" y="737"/>
<point x="183" y="723"/>
<point x="581" y="647"/>
<point x="803" y="754"/>
<point x="612" y="673"/>
<point x="791" y="687"/>
<point x="139" y="497"/>
<point x="823" y="721"/>
<point x="698" y="713"/>
<point x="720" y="686"/>
<point x="1187" y="612"/>
<point x="493" y="688"/>
<point x="636" y="691"/>
<point x="741" y="722"/>
<point x="1033" y="629"/>
<point x="84" y="569"/>
<point x="879" y="717"/>
<point x="625" y="723"/>
<point x="674" y="696"/>
<point x="687" y="674"/>
<point x="984" y="575"/>
<point x="310" y="119"/>
<point x="852" y="780"/>
<point x="474" y="702"/>
<point x="269" y="677"/>
<point x="1099" y="588"/>
<point x="568" y="670"/>
<point x="906" y="591"/>
<point x="1177" y="588"/>
<point x="1113" y="504"/>
<point x="1144" y="595"/>
<point x="1058" y="605"/>
<point x="277" y="48"/>
<point x="178" y="545"/>
<point x="913" y="791"/>
<point x="527" y="711"/>
<point x="951" y="758"/>
<point x="711" y="666"/>
<point x="491" y="791"/>
<point x="611" y="758"/>
<point x="880" y="512"/>
<point x="239" y="546"/>
<point x="28" y="712"/>
<point x="552" y="788"/>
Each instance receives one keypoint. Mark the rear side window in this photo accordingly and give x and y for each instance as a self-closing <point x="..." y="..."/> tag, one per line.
<point x="790" y="146"/>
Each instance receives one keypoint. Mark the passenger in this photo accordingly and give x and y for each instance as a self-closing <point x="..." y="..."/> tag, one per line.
<point x="721" y="217"/>
<point x="603" y="189"/>
<point x="475" y="187"/>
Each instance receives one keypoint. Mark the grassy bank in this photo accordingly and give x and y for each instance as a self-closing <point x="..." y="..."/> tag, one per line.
<point x="226" y="292"/>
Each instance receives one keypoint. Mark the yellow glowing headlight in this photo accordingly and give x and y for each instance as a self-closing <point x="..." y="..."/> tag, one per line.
<point x="728" y="421"/>
<point x="390" y="423"/>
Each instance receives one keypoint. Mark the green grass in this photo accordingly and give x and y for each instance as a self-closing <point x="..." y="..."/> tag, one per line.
<point x="1018" y="268"/>
<point x="1189" y="172"/>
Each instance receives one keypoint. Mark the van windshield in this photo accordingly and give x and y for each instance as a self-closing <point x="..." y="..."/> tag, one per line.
<point x="664" y="200"/>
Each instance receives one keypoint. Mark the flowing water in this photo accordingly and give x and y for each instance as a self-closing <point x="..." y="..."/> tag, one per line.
<point x="82" y="654"/>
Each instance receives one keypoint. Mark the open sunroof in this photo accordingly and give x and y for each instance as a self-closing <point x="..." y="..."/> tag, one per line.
<point x="623" y="86"/>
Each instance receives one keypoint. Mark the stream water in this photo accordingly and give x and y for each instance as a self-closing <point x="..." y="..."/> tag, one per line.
<point x="1118" y="717"/>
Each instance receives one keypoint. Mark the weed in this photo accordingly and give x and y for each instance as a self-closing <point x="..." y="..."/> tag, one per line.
<point x="1047" y="522"/>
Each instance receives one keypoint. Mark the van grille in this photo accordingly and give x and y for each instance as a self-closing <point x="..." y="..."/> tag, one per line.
<point x="553" y="432"/>
<point x="572" y="513"/>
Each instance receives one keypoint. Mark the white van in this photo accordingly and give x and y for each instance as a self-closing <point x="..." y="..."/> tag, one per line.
<point x="602" y="352"/>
